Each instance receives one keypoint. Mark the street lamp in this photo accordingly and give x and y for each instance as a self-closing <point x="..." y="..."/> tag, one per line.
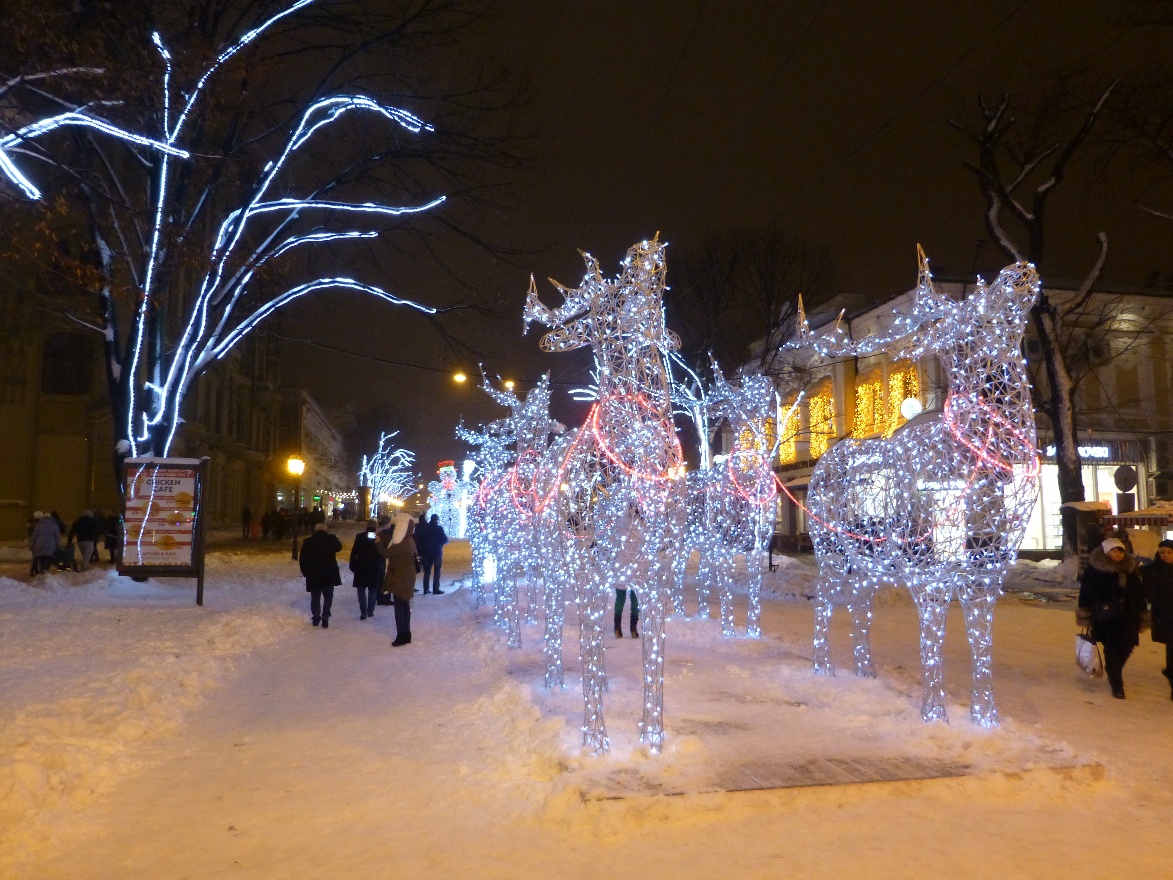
<point x="459" y="378"/>
<point x="296" y="467"/>
<point x="509" y="384"/>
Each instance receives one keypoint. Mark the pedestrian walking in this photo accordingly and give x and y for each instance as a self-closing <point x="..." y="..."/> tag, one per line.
<point x="430" y="540"/>
<point x="246" y="523"/>
<point x="1157" y="577"/>
<point x="114" y="536"/>
<point x="369" y="568"/>
<point x="44" y="542"/>
<point x="319" y="564"/>
<point x="86" y="532"/>
<point x="399" y="580"/>
<point x="1111" y="602"/>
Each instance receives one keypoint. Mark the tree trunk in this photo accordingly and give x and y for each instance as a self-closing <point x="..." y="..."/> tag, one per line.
<point x="1061" y="409"/>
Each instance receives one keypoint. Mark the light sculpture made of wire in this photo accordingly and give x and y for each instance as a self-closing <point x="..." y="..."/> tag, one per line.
<point x="622" y="511"/>
<point x="740" y="493"/>
<point x="493" y="458"/>
<point x="444" y="495"/>
<point x="942" y="506"/>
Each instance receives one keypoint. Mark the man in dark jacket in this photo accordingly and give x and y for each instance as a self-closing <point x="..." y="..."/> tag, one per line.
<point x="86" y="532"/>
<point x="1158" y="588"/>
<point x="319" y="564"/>
<point x="430" y="539"/>
<point x="369" y="568"/>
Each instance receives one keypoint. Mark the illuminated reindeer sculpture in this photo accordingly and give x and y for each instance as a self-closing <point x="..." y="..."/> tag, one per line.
<point x="942" y="506"/>
<point x="522" y="517"/>
<point x="622" y="469"/>
<point x="484" y="529"/>
<point x="740" y="492"/>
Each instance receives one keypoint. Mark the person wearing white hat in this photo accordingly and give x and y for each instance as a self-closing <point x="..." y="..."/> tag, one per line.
<point x="1111" y="602"/>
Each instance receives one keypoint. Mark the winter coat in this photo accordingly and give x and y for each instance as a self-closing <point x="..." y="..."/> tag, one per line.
<point x="1158" y="588"/>
<point x="85" y="528"/>
<point x="366" y="562"/>
<point x="400" y="577"/>
<point x="318" y="562"/>
<point x="113" y="532"/>
<point x="1113" y="594"/>
<point x="46" y="537"/>
<point x="430" y="540"/>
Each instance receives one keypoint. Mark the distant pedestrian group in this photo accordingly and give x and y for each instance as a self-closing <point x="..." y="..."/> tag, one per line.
<point x="54" y="547"/>
<point x="382" y="568"/>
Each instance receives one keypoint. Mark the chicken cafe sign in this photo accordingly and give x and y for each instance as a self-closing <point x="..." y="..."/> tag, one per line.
<point x="164" y="519"/>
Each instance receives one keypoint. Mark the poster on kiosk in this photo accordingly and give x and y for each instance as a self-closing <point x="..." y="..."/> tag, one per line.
<point x="164" y="519"/>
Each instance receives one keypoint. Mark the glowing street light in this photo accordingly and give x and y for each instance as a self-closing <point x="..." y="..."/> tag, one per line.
<point x="509" y="384"/>
<point x="459" y="377"/>
<point x="296" y="467"/>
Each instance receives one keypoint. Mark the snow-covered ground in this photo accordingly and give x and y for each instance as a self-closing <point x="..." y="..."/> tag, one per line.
<point x="145" y="737"/>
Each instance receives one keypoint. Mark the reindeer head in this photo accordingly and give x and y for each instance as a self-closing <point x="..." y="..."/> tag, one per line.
<point x="627" y="310"/>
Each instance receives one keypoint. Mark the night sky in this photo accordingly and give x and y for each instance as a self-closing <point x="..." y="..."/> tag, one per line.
<point x="830" y="119"/>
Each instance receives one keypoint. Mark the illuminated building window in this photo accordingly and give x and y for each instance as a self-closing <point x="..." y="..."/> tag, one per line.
<point x="902" y="384"/>
<point x="869" y="409"/>
<point x="788" y="448"/>
<point x="822" y="423"/>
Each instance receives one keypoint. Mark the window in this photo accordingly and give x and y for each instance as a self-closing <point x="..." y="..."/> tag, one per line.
<point x="67" y="364"/>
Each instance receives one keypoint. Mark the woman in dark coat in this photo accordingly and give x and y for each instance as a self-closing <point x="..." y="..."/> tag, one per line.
<point x="368" y="566"/>
<point x="1158" y="587"/>
<point x="400" y="580"/>
<point x="320" y="567"/>
<point x="1111" y="601"/>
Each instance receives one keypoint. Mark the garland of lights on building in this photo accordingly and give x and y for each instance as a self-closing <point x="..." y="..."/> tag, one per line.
<point x="941" y="505"/>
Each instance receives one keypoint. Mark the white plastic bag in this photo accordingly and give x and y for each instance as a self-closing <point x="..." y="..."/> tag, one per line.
<point x="1087" y="655"/>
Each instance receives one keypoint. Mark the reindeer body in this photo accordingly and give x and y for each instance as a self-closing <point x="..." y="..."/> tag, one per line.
<point x="942" y="506"/>
<point x="620" y="512"/>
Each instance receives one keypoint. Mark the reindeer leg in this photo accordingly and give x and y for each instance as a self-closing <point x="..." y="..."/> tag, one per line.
<point x="933" y="606"/>
<point x="594" y="680"/>
<point x="704" y="573"/>
<point x="753" y="622"/>
<point x="860" y="609"/>
<point x="979" y="626"/>
<point x="724" y="572"/>
<point x="679" y="566"/>
<point x="555" y="619"/>
<point x="512" y="614"/>
<point x="824" y="592"/>
<point x="652" y="725"/>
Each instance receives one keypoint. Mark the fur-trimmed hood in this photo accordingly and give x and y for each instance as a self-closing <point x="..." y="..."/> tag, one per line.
<point x="1100" y="561"/>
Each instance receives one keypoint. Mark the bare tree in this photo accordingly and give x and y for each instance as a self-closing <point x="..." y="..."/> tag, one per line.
<point x="203" y="208"/>
<point x="735" y="296"/>
<point x="1019" y="166"/>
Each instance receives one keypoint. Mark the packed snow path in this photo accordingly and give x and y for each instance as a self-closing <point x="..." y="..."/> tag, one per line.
<point x="147" y="738"/>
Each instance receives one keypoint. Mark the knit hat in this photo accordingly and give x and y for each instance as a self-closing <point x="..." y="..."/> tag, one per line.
<point x="1109" y="544"/>
<point x="1165" y="543"/>
<point x="37" y="514"/>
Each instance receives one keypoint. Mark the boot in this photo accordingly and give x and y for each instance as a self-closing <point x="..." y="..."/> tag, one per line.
<point x="618" y="627"/>
<point x="634" y="631"/>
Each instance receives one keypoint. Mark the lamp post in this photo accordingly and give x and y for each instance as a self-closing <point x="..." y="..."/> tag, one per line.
<point x="296" y="467"/>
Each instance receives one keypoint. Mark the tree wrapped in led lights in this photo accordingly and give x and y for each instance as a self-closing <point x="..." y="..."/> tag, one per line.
<point x="231" y="291"/>
<point x="388" y="473"/>
<point x="622" y="510"/>
<point x="940" y="507"/>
